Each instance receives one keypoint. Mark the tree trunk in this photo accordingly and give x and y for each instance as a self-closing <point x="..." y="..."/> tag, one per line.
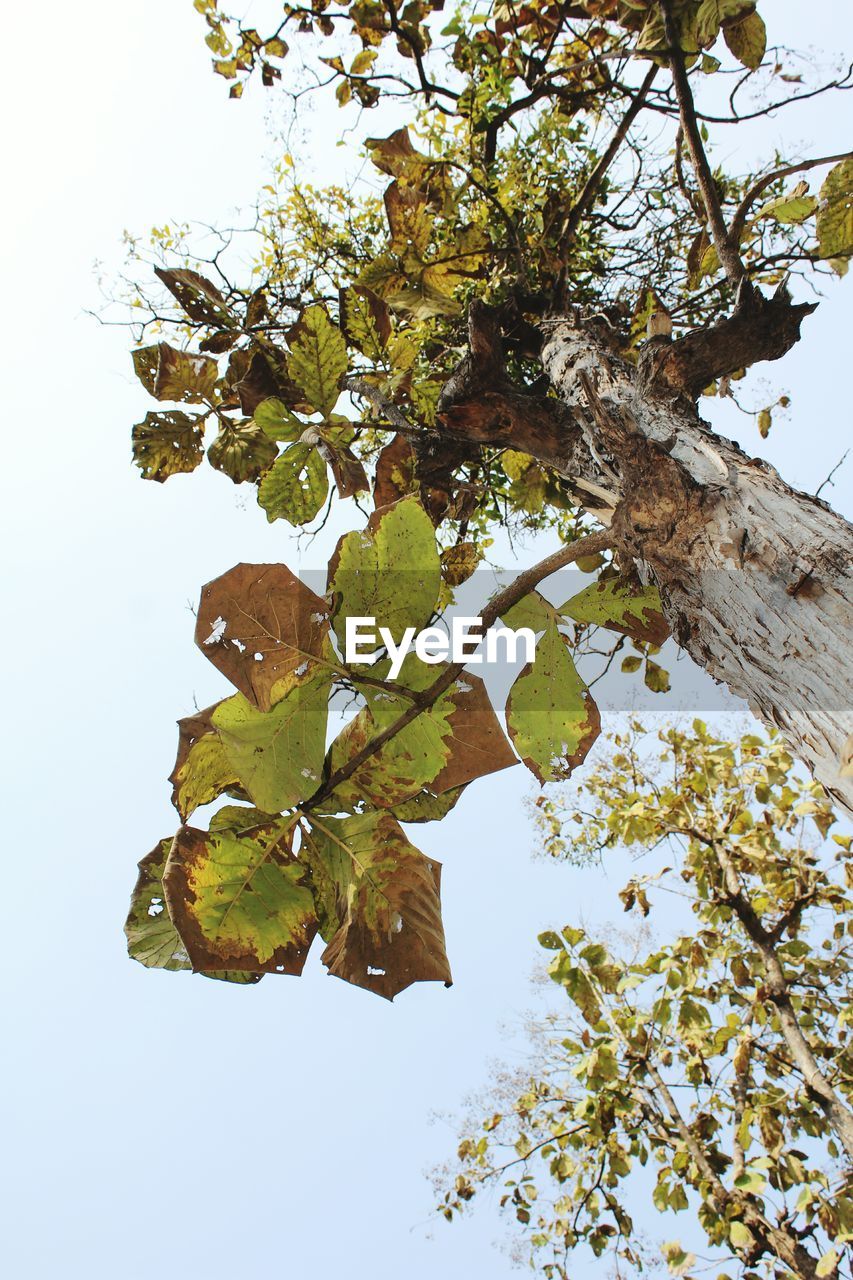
<point x="756" y="577"/>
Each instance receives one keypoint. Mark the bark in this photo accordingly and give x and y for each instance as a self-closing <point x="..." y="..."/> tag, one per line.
<point x="756" y="577"/>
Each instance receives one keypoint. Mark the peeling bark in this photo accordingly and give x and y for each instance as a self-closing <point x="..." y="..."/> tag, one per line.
<point x="756" y="577"/>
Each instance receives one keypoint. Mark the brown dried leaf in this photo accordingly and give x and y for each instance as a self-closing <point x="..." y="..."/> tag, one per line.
<point x="261" y="627"/>
<point x="395" y="473"/>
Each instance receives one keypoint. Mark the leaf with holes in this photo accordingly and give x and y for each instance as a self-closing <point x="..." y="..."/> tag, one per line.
<point x="241" y="901"/>
<point x="168" y="444"/>
<point x="278" y="754"/>
<point x="197" y="296"/>
<point x="152" y="939"/>
<point x="318" y="359"/>
<point x="174" y="375"/>
<point x="551" y="716"/>
<point x="366" y="321"/>
<point x="378" y="902"/>
<point x="260" y="625"/>
<point x="295" y="487"/>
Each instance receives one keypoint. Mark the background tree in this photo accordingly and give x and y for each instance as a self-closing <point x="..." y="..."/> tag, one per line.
<point x="522" y="322"/>
<point x="720" y="1061"/>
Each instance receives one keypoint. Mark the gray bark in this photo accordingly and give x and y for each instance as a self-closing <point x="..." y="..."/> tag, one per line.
<point x="756" y="577"/>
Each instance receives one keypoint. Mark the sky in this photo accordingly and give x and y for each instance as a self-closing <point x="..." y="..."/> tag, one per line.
<point x="158" y="1123"/>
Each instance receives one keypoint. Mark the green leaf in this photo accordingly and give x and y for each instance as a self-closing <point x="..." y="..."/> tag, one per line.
<point x="241" y="901"/>
<point x="295" y="487"/>
<point x="276" y="420"/>
<point x="167" y="444"/>
<point x="390" y="571"/>
<point x="793" y="208"/>
<point x="202" y="770"/>
<point x="262" y="628"/>
<point x="835" y="212"/>
<point x="747" y="39"/>
<point x="425" y="806"/>
<point x="551" y="716"/>
<point x="242" y="452"/>
<point x="620" y="604"/>
<point x="741" y="1236"/>
<point x="378" y="901"/>
<point x="318" y="359"/>
<point x="278" y="754"/>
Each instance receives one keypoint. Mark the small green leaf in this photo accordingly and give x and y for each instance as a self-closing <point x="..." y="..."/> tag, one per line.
<point x="276" y="420"/>
<point x="620" y="604"/>
<point x="741" y="1236"/>
<point x="296" y="485"/>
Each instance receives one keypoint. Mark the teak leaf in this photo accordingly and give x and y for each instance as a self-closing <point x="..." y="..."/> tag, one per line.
<point x="241" y="901"/>
<point x="260" y="625"/>
<point x="318" y="359"/>
<point x="620" y="604"/>
<point x="295" y="487"/>
<point x="197" y="296"/>
<point x="551" y="716"/>
<point x="835" y="212"/>
<point x="277" y="755"/>
<point x="390" y="571"/>
<point x="202" y="770"/>
<point x="395" y="473"/>
<point x="241" y="451"/>
<point x="378" y="902"/>
<point x="167" y="444"/>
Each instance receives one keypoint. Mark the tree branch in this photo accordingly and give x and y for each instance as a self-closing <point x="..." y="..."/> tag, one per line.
<point x="763" y="183"/>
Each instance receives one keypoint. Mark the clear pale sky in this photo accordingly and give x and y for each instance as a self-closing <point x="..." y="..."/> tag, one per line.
<point x="160" y="1124"/>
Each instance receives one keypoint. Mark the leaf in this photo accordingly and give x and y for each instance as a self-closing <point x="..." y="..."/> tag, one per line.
<point x="765" y="421"/>
<point x="378" y="902"/>
<point x="409" y="219"/>
<point x="395" y="473"/>
<point x="396" y="156"/>
<point x="835" y="212"/>
<point x="620" y="604"/>
<point x="241" y="901"/>
<point x="278" y="754"/>
<point x="349" y="473"/>
<point x="655" y="678"/>
<point x="152" y="939"/>
<point x="793" y="208"/>
<point x="828" y="1263"/>
<point x="678" y="1261"/>
<point x="425" y="806"/>
<point x="183" y="377"/>
<point x="260" y="626"/>
<point x="167" y="444"/>
<point x="459" y="562"/>
<point x="202" y="770"/>
<point x="197" y="297"/>
<point x="365" y="321"/>
<point x="747" y="39"/>
<point x="551" y="716"/>
<point x="318" y="359"/>
<point x="740" y="1236"/>
<point x="242" y="452"/>
<point x="389" y="571"/>
<point x="296" y="485"/>
<point x="276" y="420"/>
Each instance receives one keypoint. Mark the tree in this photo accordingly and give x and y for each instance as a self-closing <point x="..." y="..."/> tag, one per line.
<point x="522" y="325"/>
<point x="721" y="1060"/>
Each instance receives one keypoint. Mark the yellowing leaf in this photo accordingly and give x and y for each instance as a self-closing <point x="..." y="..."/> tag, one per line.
<point x="317" y="360"/>
<point x="551" y="716"/>
<point x="747" y="39"/>
<point x="620" y="604"/>
<point x="378" y="902"/>
<point x="835" y="212"/>
<point x="296" y="485"/>
<point x="241" y="901"/>
<point x="202" y="770"/>
<point x="242" y="452"/>
<point x="175" y="375"/>
<point x="167" y="444"/>
<point x="276" y="420"/>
